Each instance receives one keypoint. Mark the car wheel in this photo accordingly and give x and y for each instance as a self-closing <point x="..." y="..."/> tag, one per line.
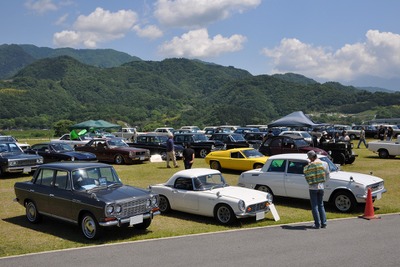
<point x="339" y="158"/>
<point x="203" y="152"/>
<point x="383" y="153"/>
<point x="344" y="201"/>
<point x="266" y="189"/>
<point x="215" y="165"/>
<point x="352" y="136"/>
<point x="89" y="226"/>
<point x="164" y="204"/>
<point x="163" y="155"/>
<point x="32" y="213"/>
<point x="224" y="214"/>
<point x="351" y="160"/>
<point x="144" y="225"/>
<point x="258" y="166"/>
<point x="119" y="159"/>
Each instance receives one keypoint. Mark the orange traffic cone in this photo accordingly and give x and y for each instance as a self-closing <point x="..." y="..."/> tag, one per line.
<point x="369" y="208"/>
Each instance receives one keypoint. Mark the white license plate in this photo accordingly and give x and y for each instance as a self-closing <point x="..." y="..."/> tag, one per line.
<point x="260" y="216"/>
<point x="27" y="169"/>
<point x="141" y="158"/>
<point x="135" y="220"/>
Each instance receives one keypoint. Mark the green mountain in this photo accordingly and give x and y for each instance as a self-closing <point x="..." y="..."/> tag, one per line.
<point x="172" y="92"/>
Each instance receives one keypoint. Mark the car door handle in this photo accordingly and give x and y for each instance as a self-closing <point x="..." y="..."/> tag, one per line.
<point x="31" y="190"/>
<point x="52" y="195"/>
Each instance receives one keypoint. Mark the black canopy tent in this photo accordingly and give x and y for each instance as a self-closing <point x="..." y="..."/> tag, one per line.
<point x="295" y="119"/>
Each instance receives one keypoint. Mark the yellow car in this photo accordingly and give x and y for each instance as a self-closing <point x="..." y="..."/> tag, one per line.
<point x="241" y="159"/>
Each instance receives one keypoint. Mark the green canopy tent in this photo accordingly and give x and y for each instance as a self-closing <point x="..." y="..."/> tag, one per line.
<point x="90" y="126"/>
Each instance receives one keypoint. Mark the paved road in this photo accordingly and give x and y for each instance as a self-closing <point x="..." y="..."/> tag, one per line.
<point x="349" y="242"/>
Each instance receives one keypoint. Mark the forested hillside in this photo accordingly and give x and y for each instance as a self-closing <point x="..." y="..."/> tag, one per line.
<point x="171" y="92"/>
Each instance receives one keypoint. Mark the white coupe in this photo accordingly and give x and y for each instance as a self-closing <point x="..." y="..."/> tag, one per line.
<point x="204" y="192"/>
<point x="282" y="175"/>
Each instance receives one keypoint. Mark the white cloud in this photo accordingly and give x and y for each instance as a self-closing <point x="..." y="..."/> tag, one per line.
<point x="61" y="20"/>
<point x="149" y="31"/>
<point x="198" y="13"/>
<point x="198" y="44"/>
<point x="378" y="56"/>
<point x="41" y="6"/>
<point x="99" y="26"/>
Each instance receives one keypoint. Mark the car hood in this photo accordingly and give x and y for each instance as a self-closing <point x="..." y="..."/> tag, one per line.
<point x="249" y="196"/>
<point x="128" y="149"/>
<point x="118" y="193"/>
<point x="19" y="156"/>
<point x="357" y="177"/>
<point x="79" y="155"/>
<point x="305" y="149"/>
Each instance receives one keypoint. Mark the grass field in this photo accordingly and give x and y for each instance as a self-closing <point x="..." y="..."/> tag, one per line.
<point x="20" y="237"/>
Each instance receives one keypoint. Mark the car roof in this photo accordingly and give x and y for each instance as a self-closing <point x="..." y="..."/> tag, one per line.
<point x="195" y="172"/>
<point x="299" y="156"/>
<point x="293" y="136"/>
<point x="70" y="166"/>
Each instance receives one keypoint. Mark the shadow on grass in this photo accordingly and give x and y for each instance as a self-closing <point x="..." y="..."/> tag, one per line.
<point x="73" y="232"/>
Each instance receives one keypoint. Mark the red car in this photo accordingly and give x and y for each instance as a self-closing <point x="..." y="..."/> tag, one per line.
<point x="115" y="150"/>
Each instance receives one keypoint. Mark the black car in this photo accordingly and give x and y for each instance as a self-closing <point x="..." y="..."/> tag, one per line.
<point x="255" y="138"/>
<point x="283" y="144"/>
<point x="90" y="195"/>
<point x="156" y="143"/>
<point x="13" y="159"/>
<point x="371" y="131"/>
<point x="231" y="140"/>
<point x="52" y="152"/>
<point x="341" y="152"/>
<point x="198" y="142"/>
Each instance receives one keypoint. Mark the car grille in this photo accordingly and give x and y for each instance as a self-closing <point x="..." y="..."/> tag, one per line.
<point x="133" y="207"/>
<point x="377" y="186"/>
<point x="258" y="207"/>
<point x="25" y="162"/>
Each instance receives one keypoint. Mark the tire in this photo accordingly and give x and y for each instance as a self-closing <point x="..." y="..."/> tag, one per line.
<point x="350" y="160"/>
<point x="224" y="214"/>
<point x="164" y="204"/>
<point x="383" y="153"/>
<point x="203" y="153"/>
<point x="119" y="159"/>
<point x="32" y="213"/>
<point x="344" y="201"/>
<point x="163" y="155"/>
<point x="89" y="226"/>
<point x="258" y="166"/>
<point x="266" y="189"/>
<point x="215" y="165"/>
<point x="339" y="158"/>
<point x="352" y="136"/>
<point x="144" y="225"/>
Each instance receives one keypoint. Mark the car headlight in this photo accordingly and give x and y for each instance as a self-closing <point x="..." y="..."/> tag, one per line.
<point x="39" y="161"/>
<point x="12" y="163"/>
<point x="72" y="158"/>
<point x="118" y="208"/>
<point x="109" y="210"/>
<point x="269" y="197"/>
<point x="241" y="205"/>
<point x="154" y="201"/>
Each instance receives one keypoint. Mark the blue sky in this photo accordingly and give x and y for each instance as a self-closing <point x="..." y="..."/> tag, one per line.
<point x="354" y="42"/>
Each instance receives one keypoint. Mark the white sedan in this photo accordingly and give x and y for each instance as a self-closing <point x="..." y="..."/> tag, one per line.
<point x="282" y="175"/>
<point x="204" y="192"/>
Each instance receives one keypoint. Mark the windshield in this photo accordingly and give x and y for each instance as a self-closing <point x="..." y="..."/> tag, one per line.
<point x="9" y="148"/>
<point x="61" y="147"/>
<point x="117" y="142"/>
<point x="210" y="181"/>
<point x="301" y="143"/>
<point x="98" y="177"/>
<point x="200" y="137"/>
<point x="252" y="153"/>
<point x="332" y="166"/>
<point x="238" y="137"/>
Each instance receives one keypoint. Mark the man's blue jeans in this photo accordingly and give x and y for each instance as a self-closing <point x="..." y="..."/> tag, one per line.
<point x="317" y="207"/>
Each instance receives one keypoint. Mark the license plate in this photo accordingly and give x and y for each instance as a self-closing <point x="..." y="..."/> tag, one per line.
<point x="141" y="158"/>
<point x="260" y="216"/>
<point x="379" y="196"/>
<point x="27" y="169"/>
<point x="135" y="220"/>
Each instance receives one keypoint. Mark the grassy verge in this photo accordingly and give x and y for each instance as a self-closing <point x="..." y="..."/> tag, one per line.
<point x="21" y="237"/>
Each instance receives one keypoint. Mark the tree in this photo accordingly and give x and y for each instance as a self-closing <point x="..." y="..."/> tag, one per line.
<point x="61" y="127"/>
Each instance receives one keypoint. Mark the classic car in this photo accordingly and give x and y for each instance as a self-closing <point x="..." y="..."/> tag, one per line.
<point x="282" y="175"/>
<point x="66" y="138"/>
<point x="126" y="133"/>
<point x="52" y="152"/>
<point x="385" y="149"/>
<point x="241" y="159"/>
<point x="13" y="159"/>
<point x="9" y="138"/>
<point x="287" y="144"/>
<point x="255" y="138"/>
<point x="198" y="142"/>
<point x="303" y="134"/>
<point x="90" y="195"/>
<point x="341" y="152"/>
<point x="204" y="192"/>
<point x="156" y="143"/>
<point x="243" y="130"/>
<point x="231" y="140"/>
<point x="115" y="150"/>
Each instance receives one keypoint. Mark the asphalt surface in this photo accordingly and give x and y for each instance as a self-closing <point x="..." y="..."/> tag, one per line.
<point x="347" y="242"/>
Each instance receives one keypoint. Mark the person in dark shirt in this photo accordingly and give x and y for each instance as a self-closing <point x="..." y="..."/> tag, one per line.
<point x="171" y="151"/>
<point x="188" y="156"/>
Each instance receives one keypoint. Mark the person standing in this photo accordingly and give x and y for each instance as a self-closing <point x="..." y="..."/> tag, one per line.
<point x="381" y="133"/>
<point x="362" y="138"/>
<point x="188" y="156"/>
<point x="389" y="133"/>
<point x="316" y="174"/>
<point x="171" y="151"/>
